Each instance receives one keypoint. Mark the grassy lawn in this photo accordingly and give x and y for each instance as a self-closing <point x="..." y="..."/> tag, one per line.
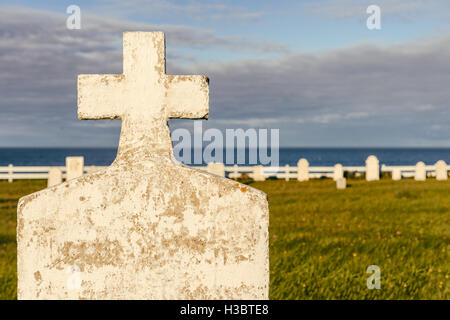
<point x="322" y="240"/>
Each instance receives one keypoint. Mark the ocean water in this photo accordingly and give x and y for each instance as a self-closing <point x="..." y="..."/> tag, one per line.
<point x="315" y="156"/>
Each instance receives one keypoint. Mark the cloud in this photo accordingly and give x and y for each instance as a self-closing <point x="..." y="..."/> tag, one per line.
<point x="388" y="95"/>
<point x="398" y="9"/>
<point x="197" y="10"/>
<point x="358" y="95"/>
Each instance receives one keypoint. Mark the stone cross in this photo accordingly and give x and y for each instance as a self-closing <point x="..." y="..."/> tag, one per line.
<point x="146" y="227"/>
<point x="420" y="173"/>
<point x="441" y="170"/>
<point x="372" y="168"/>
<point x="287" y="172"/>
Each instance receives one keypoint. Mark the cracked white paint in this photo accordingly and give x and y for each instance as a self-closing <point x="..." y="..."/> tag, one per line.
<point x="145" y="227"/>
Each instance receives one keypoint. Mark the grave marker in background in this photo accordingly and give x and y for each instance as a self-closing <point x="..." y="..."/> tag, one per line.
<point x="216" y="168"/>
<point x="372" y="168"/>
<point x="74" y="167"/>
<point x="302" y="170"/>
<point x="396" y="174"/>
<point x="441" y="170"/>
<point x="341" y="183"/>
<point x="258" y="173"/>
<point x="338" y="172"/>
<point x="54" y="177"/>
<point x="421" y="172"/>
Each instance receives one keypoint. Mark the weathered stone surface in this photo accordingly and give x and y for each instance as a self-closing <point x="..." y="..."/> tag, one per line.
<point x="372" y="168"/>
<point x="216" y="168"/>
<point x="421" y="172"/>
<point x="338" y="172"/>
<point x="396" y="174"/>
<point x="302" y="170"/>
<point x="341" y="183"/>
<point x="258" y="173"/>
<point x="441" y="170"/>
<point x="145" y="227"/>
<point x="54" y="177"/>
<point x="74" y="167"/>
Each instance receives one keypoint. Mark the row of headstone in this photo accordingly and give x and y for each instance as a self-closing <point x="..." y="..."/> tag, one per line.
<point x="421" y="171"/>
<point x="372" y="171"/>
<point x="74" y="169"/>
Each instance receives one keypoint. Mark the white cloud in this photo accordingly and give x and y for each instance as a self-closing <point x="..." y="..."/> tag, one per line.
<point x="197" y="10"/>
<point x="400" y="9"/>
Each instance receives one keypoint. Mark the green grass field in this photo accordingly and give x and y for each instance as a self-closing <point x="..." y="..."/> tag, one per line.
<point x="322" y="240"/>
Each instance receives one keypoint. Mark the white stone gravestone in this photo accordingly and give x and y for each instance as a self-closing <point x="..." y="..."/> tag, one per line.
<point x="302" y="170"/>
<point x="338" y="172"/>
<point x="421" y="172"/>
<point x="145" y="227"/>
<point x="54" y="177"/>
<point x="396" y="174"/>
<point x="441" y="170"/>
<point x="258" y="173"/>
<point x="74" y="167"/>
<point x="216" y="168"/>
<point x="372" y="168"/>
<point x="235" y="173"/>
<point x="341" y="183"/>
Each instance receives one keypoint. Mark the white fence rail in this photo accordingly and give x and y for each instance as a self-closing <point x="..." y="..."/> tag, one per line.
<point x="12" y="173"/>
<point x="300" y="172"/>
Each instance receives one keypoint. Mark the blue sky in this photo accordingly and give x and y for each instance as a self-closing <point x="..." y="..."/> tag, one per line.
<point x="310" y="68"/>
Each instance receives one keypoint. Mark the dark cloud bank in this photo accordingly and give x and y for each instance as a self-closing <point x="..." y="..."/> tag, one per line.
<point x="356" y="96"/>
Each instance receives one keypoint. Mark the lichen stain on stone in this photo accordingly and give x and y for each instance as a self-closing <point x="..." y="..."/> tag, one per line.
<point x="184" y="242"/>
<point x="37" y="276"/>
<point x="241" y="258"/>
<point x="199" y="293"/>
<point x="89" y="253"/>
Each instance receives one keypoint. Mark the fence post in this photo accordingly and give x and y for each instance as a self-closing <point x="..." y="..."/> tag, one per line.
<point x="287" y="172"/>
<point x="10" y="173"/>
<point x="235" y="174"/>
